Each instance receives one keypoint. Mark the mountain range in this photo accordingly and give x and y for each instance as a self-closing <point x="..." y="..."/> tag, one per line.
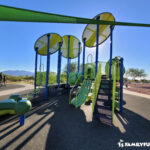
<point x="18" y="73"/>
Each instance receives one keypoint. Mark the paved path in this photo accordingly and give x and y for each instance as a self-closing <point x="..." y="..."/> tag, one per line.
<point x="17" y="90"/>
<point x="136" y="94"/>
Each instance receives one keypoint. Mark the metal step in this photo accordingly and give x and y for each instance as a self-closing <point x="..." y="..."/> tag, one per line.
<point x="106" y="119"/>
<point x="105" y="92"/>
<point x="100" y="102"/>
<point x="104" y="86"/>
<point x="103" y="110"/>
<point x="100" y="96"/>
<point x="106" y="103"/>
<point x="105" y="81"/>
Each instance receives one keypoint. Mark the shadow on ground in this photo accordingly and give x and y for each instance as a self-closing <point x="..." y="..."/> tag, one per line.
<point x="56" y="125"/>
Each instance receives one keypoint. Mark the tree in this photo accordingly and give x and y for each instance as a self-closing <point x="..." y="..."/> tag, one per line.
<point x="133" y="73"/>
<point x="142" y="73"/>
<point x="73" y="67"/>
<point x="136" y="73"/>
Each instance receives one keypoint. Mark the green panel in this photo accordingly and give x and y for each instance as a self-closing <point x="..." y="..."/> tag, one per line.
<point x="24" y="15"/>
<point x="90" y="31"/>
<point x="41" y="43"/>
<point x="73" y="47"/>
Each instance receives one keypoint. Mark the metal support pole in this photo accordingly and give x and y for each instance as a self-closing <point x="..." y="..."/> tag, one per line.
<point x="35" y="77"/>
<point x="79" y="58"/>
<point x="48" y="67"/>
<point x="97" y="42"/>
<point x="121" y="85"/>
<point x="68" y="64"/>
<point x="40" y="70"/>
<point x="84" y="40"/>
<point x="22" y="119"/>
<point x="111" y="49"/>
<point x="59" y="68"/>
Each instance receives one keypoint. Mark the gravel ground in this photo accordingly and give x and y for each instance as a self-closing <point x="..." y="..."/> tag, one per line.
<point x="140" y="88"/>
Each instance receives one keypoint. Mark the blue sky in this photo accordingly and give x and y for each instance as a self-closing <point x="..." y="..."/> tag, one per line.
<point x="132" y="43"/>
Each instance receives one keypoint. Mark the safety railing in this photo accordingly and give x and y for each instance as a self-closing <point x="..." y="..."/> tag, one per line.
<point x="96" y="86"/>
<point x="114" y="74"/>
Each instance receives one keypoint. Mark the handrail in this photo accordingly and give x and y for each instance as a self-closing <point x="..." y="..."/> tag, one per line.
<point x="96" y="86"/>
<point x="113" y="89"/>
<point x="88" y="58"/>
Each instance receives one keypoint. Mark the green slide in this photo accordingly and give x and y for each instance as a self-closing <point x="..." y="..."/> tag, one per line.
<point x="82" y="93"/>
<point x="15" y="105"/>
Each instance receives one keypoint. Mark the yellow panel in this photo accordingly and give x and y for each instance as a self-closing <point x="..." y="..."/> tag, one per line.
<point x="104" y="30"/>
<point x="73" y="47"/>
<point x="41" y="43"/>
<point x="7" y="111"/>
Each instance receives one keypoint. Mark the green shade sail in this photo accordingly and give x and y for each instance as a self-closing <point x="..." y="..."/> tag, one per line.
<point x="90" y="30"/>
<point x="73" y="47"/>
<point x="24" y="15"/>
<point x="41" y="43"/>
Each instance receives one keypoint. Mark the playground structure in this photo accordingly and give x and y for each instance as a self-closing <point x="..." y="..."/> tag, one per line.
<point x="97" y="31"/>
<point x="85" y="88"/>
<point x="67" y="46"/>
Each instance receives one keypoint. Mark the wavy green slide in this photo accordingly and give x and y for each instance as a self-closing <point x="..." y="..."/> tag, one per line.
<point x="82" y="94"/>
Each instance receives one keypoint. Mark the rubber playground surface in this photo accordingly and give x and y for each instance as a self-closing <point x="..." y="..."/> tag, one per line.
<point x="56" y="125"/>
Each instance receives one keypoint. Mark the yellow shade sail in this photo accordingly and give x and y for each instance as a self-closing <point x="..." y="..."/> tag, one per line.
<point x="73" y="47"/>
<point x="41" y="43"/>
<point x="104" y="30"/>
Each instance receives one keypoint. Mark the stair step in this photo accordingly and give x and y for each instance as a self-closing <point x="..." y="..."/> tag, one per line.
<point x="104" y="92"/>
<point x="103" y="110"/>
<point x="105" y="86"/>
<point x="100" y="102"/>
<point x="104" y="103"/>
<point x="106" y="81"/>
<point x="104" y="119"/>
<point x="105" y="97"/>
<point x="104" y="76"/>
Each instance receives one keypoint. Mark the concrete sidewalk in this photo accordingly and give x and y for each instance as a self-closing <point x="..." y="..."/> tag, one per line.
<point x="136" y="94"/>
<point x="16" y="90"/>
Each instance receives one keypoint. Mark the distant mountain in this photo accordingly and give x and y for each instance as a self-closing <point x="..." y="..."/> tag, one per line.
<point x="18" y="73"/>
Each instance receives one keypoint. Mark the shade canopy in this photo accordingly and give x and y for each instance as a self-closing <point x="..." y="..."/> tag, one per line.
<point x="73" y="47"/>
<point x="54" y="41"/>
<point x="90" y="30"/>
<point x="24" y="15"/>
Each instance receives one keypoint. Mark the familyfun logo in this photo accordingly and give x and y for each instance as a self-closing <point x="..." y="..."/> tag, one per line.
<point x="123" y="144"/>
